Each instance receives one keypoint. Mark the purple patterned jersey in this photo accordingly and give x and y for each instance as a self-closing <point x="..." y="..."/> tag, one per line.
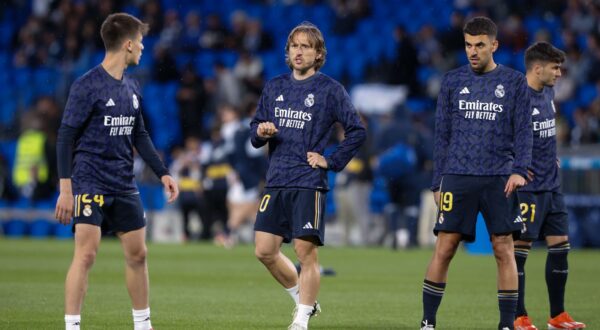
<point x="304" y="112"/>
<point x="107" y="114"/>
<point x="544" y="157"/>
<point x="482" y="124"/>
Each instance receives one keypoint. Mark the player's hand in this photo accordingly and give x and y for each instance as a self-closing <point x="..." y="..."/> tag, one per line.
<point x="514" y="181"/>
<point x="436" y="198"/>
<point x="530" y="175"/>
<point x="64" y="208"/>
<point x="170" y="188"/>
<point x="266" y="130"/>
<point x="315" y="160"/>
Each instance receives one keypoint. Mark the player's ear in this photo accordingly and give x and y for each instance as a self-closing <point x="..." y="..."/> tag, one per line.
<point x="537" y="68"/>
<point x="129" y="45"/>
<point x="494" y="44"/>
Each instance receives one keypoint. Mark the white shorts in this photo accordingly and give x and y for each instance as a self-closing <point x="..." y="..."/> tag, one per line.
<point x="237" y="194"/>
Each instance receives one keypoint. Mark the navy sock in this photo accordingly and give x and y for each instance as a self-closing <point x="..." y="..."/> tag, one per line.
<point x="521" y="253"/>
<point x="432" y="297"/>
<point x="507" y="303"/>
<point x="557" y="270"/>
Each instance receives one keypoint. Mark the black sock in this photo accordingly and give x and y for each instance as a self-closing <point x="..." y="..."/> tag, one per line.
<point x="521" y="253"/>
<point x="432" y="297"/>
<point x="507" y="303"/>
<point x="557" y="270"/>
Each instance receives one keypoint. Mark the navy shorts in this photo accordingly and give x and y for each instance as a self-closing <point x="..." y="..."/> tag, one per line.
<point x="292" y="213"/>
<point x="464" y="196"/>
<point x="112" y="213"/>
<point x="544" y="214"/>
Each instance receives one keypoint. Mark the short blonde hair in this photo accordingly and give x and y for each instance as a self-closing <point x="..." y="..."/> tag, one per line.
<point x="315" y="38"/>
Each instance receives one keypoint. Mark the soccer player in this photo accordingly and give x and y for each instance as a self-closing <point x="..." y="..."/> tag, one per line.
<point x="542" y="207"/>
<point x="482" y="150"/>
<point x="102" y="122"/>
<point x="295" y="117"/>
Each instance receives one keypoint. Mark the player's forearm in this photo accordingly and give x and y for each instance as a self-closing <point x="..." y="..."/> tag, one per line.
<point x="146" y="149"/>
<point x="348" y="149"/>
<point x="65" y="186"/>
<point x="523" y="135"/>
<point x="440" y="150"/>
<point x="64" y="150"/>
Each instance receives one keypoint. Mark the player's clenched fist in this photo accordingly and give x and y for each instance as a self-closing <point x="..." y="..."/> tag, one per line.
<point x="266" y="130"/>
<point x="316" y="160"/>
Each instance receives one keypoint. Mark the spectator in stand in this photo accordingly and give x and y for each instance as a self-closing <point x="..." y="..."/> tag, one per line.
<point x="215" y="34"/>
<point x="170" y="35"/>
<point x="256" y="39"/>
<point x="235" y="40"/>
<point x="228" y="88"/>
<point x="191" y="101"/>
<point x="190" y="38"/>
<point x="248" y="70"/>
<point x="34" y="155"/>
<point x="403" y="70"/>
<point x="165" y="68"/>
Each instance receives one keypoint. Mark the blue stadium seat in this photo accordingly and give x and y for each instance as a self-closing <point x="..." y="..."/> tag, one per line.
<point x="419" y="105"/>
<point x="229" y="58"/>
<point x="518" y="61"/>
<point x="41" y="229"/>
<point x="62" y="232"/>
<point x="8" y="149"/>
<point x="504" y="57"/>
<point x="7" y="30"/>
<point x="567" y="109"/>
<point x="424" y="73"/>
<point x="8" y="110"/>
<point x="204" y="63"/>
<point x="586" y="94"/>
<point x="132" y="10"/>
<point x="45" y="81"/>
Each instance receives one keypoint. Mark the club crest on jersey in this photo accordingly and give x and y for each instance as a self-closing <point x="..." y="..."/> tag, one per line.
<point x="87" y="210"/>
<point x="136" y="103"/>
<point x="499" y="92"/>
<point x="309" y="101"/>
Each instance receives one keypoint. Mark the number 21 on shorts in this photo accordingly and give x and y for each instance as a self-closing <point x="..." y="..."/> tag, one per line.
<point x="525" y="208"/>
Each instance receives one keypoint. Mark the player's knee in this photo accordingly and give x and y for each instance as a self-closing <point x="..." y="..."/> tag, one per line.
<point x="266" y="256"/>
<point x="137" y="257"/>
<point x="306" y="254"/>
<point x="502" y="247"/>
<point x="87" y="258"/>
<point x="445" y="255"/>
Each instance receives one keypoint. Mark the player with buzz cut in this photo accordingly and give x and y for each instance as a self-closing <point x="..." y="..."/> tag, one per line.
<point x="295" y="117"/>
<point x="542" y="206"/>
<point x="101" y="125"/>
<point x="482" y="151"/>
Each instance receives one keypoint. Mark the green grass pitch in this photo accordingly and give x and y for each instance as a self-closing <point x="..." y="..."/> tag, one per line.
<point x="199" y="286"/>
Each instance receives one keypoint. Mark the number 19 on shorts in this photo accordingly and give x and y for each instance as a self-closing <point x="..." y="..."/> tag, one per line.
<point x="446" y="201"/>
